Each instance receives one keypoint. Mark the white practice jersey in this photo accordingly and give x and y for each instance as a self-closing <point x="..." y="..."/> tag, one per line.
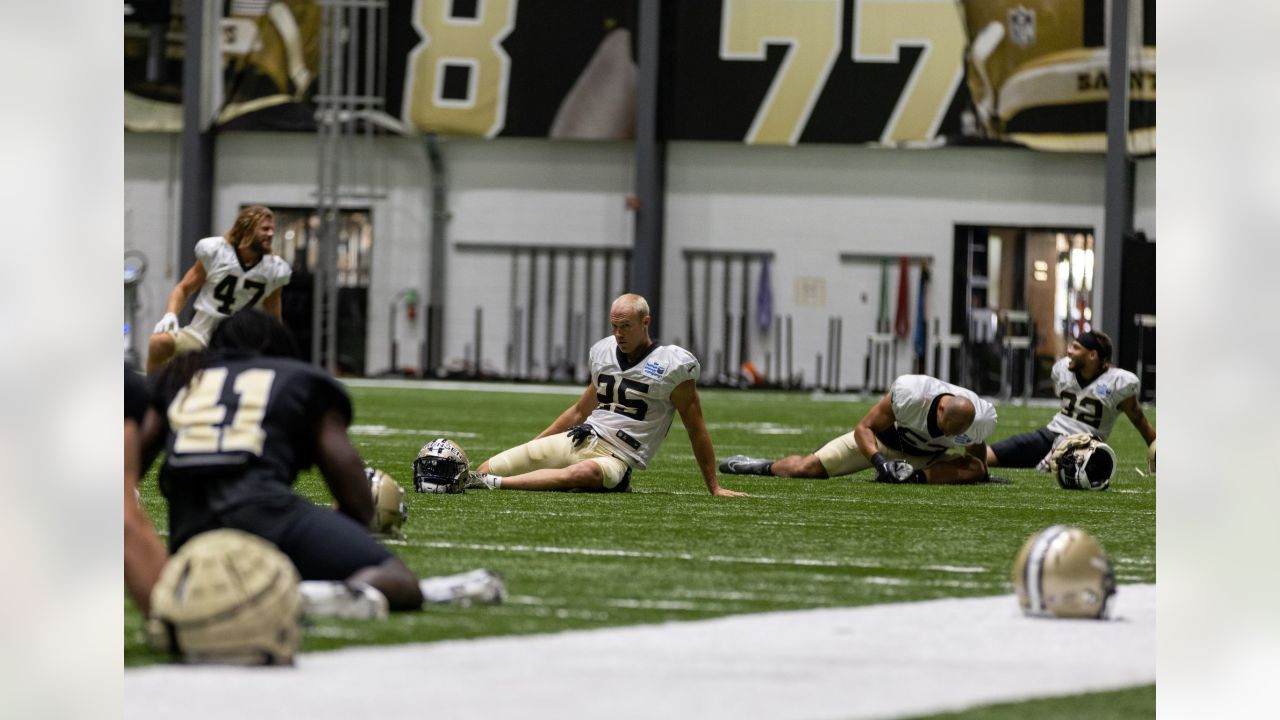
<point x="635" y="408"/>
<point x="1093" y="408"/>
<point x="229" y="287"/>
<point x="914" y="400"/>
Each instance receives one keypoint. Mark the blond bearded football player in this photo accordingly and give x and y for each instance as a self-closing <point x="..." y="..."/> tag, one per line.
<point x="923" y="431"/>
<point x="1093" y="394"/>
<point x="619" y="422"/>
<point x="231" y="273"/>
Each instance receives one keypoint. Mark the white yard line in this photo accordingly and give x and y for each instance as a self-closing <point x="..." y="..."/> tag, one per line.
<point x="867" y="662"/>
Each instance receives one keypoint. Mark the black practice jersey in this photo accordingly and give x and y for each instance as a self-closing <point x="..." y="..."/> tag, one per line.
<point x="242" y="429"/>
<point x="136" y="395"/>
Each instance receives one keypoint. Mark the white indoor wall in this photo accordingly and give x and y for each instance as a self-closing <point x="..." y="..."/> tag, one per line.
<point x="808" y="204"/>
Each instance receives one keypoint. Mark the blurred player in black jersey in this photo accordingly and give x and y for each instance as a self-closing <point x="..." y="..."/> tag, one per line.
<point x="239" y="422"/>
<point x="144" y="554"/>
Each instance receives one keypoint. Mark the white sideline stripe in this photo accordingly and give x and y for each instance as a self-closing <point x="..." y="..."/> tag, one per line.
<point x="384" y="430"/>
<point x="866" y="662"/>
<point x="611" y="552"/>
<point x="498" y="387"/>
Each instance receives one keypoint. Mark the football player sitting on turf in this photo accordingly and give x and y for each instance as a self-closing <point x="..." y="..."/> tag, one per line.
<point x="239" y="422"/>
<point x="923" y="431"/>
<point x="1093" y="393"/>
<point x="231" y="273"/>
<point x="619" y="421"/>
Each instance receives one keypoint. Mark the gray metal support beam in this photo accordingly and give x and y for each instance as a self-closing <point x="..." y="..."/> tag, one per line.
<point x="196" y="219"/>
<point x="437" y="257"/>
<point x="651" y="168"/>
<point x="1119" y="182"/>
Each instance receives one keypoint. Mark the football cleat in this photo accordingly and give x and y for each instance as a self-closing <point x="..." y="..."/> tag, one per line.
<point x="482" y="481"/>
<point x="743" y="465"/>
<point x="441" y="467"/>
<point x="1082" y="462"/>
<point x="389" y="510"/>
<point x="475" y="587"/>
<point x="226" y="597"/>
<point x="342" y="600"/>
<point x="1063" y="572"/>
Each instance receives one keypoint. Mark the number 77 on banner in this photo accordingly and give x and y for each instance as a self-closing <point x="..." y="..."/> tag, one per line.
<point x="881" y="28"/>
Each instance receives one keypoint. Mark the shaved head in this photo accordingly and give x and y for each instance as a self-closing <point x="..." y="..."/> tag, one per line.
<point x="629" y="317"/>
<point x="955" y="415"/>
<point x="630" y="303"/>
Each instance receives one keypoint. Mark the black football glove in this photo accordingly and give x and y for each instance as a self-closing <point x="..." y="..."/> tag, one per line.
<point x="891" y="471"/>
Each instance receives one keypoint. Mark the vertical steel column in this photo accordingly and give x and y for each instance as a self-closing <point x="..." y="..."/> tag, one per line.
<point x="436" y="257"/>
<point x="1119" y="188"/>
<point x="646" y="270"/>
<point x="196" y="213"/>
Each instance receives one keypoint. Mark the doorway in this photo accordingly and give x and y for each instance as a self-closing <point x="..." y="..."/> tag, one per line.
<point x="297" y="241"/>
<point x="1010" y="282"/>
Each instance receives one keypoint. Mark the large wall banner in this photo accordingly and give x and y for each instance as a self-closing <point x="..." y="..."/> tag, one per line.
<point x="903" y="73"/>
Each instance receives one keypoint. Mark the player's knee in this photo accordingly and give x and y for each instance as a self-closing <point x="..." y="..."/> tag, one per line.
<point x="160" y="344"/>
<point x="586" y="474"/>
<point x="971" y="469"/>
<point x="484" y="466"/>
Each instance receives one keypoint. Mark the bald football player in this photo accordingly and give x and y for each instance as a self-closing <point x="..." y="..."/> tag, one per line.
<point x="618" y="423"/>
<point x="923" y="430"/>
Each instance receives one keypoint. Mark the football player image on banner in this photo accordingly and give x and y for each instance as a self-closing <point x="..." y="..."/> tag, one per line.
<point x="923" y="73"/>
<point x="1037" y="72"/>
<point x="269" y="54"/>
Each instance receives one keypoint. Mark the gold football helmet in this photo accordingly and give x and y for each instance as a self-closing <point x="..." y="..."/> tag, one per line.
<point x="1063" y="572"/>
<point x="227" y="597"/>
<point x="1037" y="73"/>
<point x="441" y="467"/>
<point x="389" y="511"/>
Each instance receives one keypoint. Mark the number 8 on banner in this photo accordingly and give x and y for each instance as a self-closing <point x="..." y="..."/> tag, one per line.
<point x="457" y="76"/>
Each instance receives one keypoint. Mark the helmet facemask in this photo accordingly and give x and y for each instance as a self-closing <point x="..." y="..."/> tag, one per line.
<point x="1082" y="462"/>
<point x="441" y="467"/>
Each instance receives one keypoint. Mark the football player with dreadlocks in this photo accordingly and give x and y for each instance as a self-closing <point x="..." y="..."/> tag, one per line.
<point x="238" y="422"/>
<point x="1093" y="394"/>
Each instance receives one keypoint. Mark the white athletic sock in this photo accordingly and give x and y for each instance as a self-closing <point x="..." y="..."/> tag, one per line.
<point x="348" y="601"/>
<point x="473" y="586"/>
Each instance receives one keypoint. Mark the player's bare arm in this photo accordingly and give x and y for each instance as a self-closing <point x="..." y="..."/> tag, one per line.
<point x="1133" y="411"/>
<point x="977" y="450"/>
<point x="878" y="419"/>
<point x="271" y="304"/>
<point x="576" y="414"/>
<point x="189" y="285"/>
<point x="342" y="468"/>
<point x="689" y="405"/>
<point x="144" y="554"/>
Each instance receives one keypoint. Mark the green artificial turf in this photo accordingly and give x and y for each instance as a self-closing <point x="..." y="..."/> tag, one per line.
<point x="669" y="552"/>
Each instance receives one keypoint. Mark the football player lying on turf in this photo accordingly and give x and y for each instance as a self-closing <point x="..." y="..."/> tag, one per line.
<point x="1093" y="394"/>
<point x="923" y="431"/>
<point x="239" y="422"/>
<point x="619" y="421"/>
